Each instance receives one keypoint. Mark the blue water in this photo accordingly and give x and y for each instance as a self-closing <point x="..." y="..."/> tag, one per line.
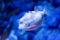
<point x="49" y="29"/>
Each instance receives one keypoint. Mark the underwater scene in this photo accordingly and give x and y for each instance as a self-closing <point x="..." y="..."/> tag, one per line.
<point x="29" y="19"/>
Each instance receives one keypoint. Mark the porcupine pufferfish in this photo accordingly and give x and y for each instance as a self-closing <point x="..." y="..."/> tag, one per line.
<point x="31" y="20"/>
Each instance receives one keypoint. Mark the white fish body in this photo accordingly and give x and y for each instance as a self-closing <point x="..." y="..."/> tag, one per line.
<point x="30" y="18"/>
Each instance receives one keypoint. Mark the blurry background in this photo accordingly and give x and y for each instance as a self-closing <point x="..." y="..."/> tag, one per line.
<point x="11" y="10"/>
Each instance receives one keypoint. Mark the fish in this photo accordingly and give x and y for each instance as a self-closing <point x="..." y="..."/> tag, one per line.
<point x="31" y="20"/>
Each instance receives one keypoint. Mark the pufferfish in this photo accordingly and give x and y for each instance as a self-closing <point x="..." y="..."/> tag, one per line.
<point x="31" y="20"/>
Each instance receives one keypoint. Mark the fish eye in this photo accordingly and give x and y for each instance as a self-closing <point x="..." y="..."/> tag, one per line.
<point x="21" y="22"/>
